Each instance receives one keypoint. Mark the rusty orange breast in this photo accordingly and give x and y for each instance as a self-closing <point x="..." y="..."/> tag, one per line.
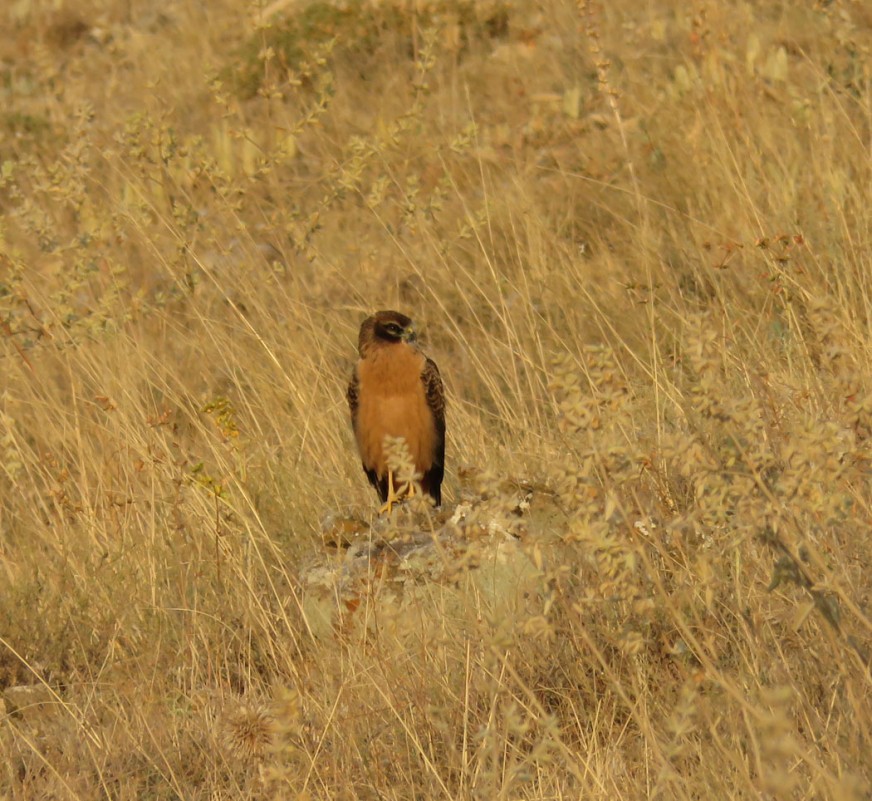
<point x="392" y="403"/>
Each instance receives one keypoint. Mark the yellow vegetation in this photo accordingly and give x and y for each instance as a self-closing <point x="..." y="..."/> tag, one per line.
<point x="637" y="240"/>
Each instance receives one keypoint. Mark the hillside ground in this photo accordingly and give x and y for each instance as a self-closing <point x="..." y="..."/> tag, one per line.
<point x="636" y="238"/>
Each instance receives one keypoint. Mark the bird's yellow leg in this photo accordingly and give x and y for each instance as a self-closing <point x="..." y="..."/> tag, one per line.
<point x="393" y="497"/>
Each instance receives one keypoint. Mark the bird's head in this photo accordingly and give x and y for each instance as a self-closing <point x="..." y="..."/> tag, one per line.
<point x="385" y="328"/>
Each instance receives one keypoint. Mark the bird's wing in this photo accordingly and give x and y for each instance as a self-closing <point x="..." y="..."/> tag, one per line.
<point x="352" y="394"/>
<point x="435" y="394"/>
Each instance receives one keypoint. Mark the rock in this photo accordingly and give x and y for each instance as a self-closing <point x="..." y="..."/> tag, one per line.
<point x="29" y="700"/>
<point x="422" y="566"/>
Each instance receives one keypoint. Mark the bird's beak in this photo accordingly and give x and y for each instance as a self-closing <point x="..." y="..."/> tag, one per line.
<point x="410" y="335"/>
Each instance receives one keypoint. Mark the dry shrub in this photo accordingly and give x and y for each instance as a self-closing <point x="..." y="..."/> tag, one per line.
<point x="637" y="240"/>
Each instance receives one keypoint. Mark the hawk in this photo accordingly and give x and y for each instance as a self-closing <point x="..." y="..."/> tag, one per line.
<point x="396" y="391"/>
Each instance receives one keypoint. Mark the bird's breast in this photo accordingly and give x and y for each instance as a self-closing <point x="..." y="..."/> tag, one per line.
<point x="392" y="403"/>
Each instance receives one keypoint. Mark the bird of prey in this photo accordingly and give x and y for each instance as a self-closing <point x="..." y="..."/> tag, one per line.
<point x="396" y="391"/>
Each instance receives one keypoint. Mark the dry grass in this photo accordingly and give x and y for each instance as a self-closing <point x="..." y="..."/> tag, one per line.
<point x="637" y="237"/>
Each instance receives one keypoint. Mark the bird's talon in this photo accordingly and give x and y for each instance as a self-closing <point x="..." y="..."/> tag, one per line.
<point x="392" y="499"/>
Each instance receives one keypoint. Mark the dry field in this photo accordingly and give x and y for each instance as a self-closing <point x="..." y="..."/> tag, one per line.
<point x="637" y="239"/>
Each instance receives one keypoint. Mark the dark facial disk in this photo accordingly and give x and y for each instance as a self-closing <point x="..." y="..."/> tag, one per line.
<point x="393" y="326"/>
<point x="386" y="327"/>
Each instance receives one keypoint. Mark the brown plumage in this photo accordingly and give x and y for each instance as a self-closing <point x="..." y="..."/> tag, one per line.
<point x="396" y="391"/>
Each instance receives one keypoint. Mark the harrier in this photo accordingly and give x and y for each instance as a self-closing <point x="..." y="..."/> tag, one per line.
<point x="396" y="391"/>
